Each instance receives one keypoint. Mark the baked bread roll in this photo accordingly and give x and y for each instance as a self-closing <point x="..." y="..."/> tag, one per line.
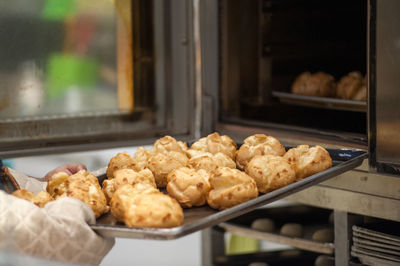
<point x="318" y="84"/>
<point x="167" y="144"/>
<point x="209" y="162"/>
<point x="122" y="160"/>
<point x="258" y="144"/>
<point x="162" y="164"/>
<point x="270" y="172"/>
<point x="230" y="187"/>
<point x="39" y="200"/>
<point x="83" y="186"/>
<point x="307" y="161"/>
<point x="142" y="205"/>
<point x="215" y="143"/>
<point x="349" y="85"/>
<point x="188" y="186"/>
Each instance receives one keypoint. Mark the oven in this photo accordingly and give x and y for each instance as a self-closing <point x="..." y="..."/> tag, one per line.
<point x="101" y="74"/>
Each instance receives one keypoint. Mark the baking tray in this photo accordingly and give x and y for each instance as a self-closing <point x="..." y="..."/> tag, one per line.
<point x="196" y="219"/>
<point x="387" y="232"/>
<point x="362" y="242"/>
<point x="321" y="102"/>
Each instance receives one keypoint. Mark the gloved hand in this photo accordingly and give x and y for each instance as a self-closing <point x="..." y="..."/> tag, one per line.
<point x="59" y="231"/>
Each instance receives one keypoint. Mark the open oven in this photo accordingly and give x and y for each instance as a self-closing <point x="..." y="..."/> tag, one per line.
<point x="103" y="74"/>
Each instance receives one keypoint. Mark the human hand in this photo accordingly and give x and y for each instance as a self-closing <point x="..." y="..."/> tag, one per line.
<point x="69" y="169"/>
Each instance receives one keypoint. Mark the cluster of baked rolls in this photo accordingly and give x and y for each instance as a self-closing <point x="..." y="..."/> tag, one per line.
<point x="212" y="171"/>
<point x="349" y="87"/>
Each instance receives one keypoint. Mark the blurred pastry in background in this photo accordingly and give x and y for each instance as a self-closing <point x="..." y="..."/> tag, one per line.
<point x="230" y="187"/>
<point x="270" y="172"/>
<point x="352" y="87"/>
<point x="307" y="161"/>
<point x="258" y="144"/>
<point x="319" y="84"/>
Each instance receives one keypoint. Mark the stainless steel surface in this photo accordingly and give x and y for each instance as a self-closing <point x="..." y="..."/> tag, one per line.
<point x="212" y="245"/>
<point x="388" y="81"/>
<point x="349" y="201"/>
<point x="325" y="248"/>
<point x="343" y="222"/>
<point x="210" y="64"/>
<point x="200" y="218"/>
<point x="198" y="69"/>
<point x="321" y="102"/>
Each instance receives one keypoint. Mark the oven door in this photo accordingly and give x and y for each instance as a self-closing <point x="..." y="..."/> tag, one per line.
<point x="95" y="74"/>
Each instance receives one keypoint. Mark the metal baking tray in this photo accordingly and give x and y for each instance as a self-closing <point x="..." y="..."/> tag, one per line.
<point x="321" y="102"/>
<point x="196" y="219"/>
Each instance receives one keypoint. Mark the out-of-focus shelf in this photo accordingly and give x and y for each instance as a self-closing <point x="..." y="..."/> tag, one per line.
<point x="305" y="244"/>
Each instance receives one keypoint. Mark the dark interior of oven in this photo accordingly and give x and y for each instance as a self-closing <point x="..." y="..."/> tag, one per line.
<point x="266" y="44"/>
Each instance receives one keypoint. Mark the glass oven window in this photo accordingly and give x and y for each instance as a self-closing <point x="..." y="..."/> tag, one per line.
<point x="58" y="58"/>
<point x="76" y="73"/>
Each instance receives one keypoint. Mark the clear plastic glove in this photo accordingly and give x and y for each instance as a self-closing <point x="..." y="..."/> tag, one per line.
<point x="59" y="231"/>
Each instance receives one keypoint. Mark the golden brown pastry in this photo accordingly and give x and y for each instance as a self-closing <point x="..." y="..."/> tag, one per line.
<point x="230" y="187"/>
<point x="142" y="205"/>
<point x="124" y="197"/>
<point x="108" y="188"/>
<point x="140" y="159"/>
<point x="42" y="198"/>
<point x="129" y="176"/>
<point x="307" y="161"/>
<point x="162" y="164"/>
<point x="167" y="144"/>
<point x="209" y="162"/>
<point x="126" y="176"/>
<point x="23" y="194"/>
<point x="215" y="143"/>
<point x="188" y="186"/>
<point x="270" y="172"/>
<point x="122" y="160"/>
<point x="154" y="210"/>
<point x="83" y="186"/>
<point x="39" y="200"/>
<point x="349" y="85"/>
<point x="318" y="84"/>
<point x="258" y="144"/>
